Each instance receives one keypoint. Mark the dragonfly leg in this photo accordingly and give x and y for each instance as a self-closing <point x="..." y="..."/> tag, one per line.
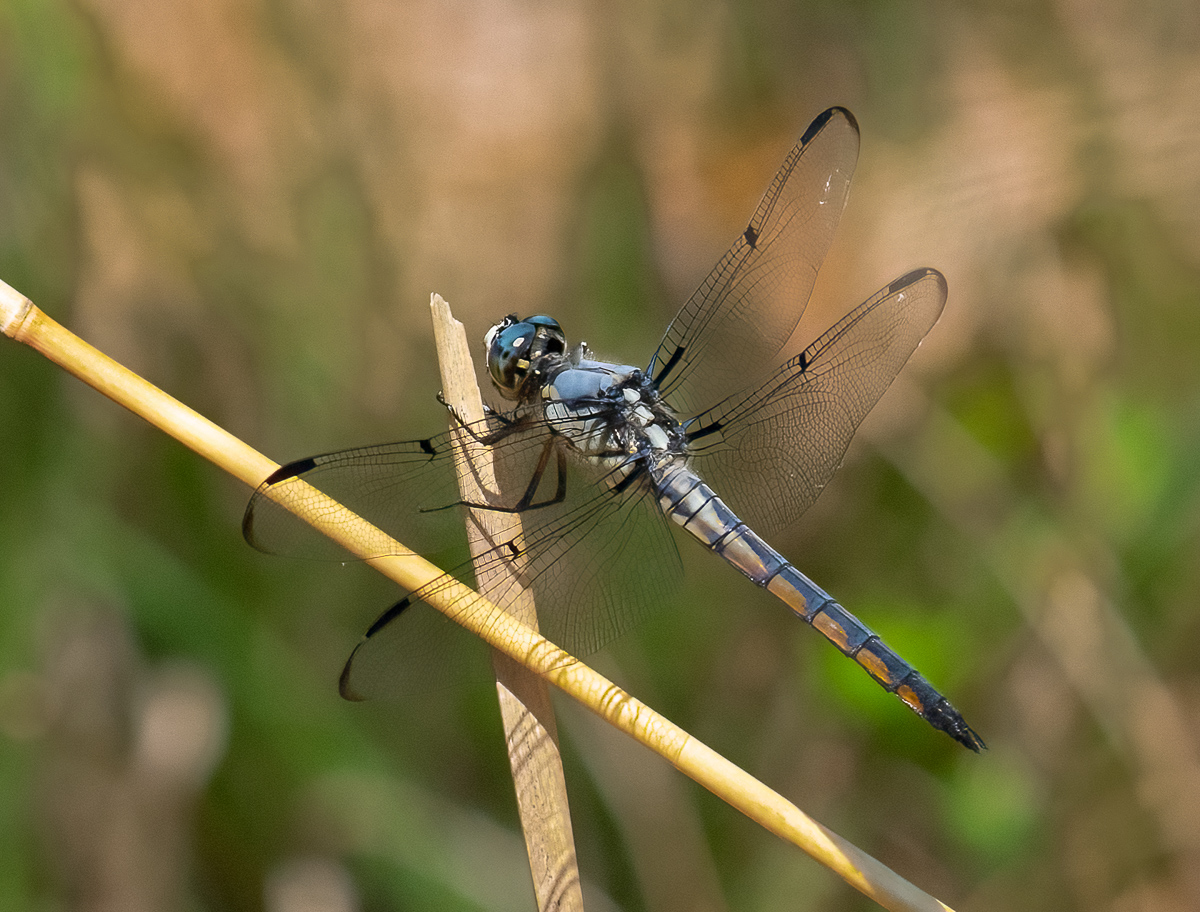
<point x="453" y="410"/>
<point x="560" y="492"/>
<point x="507" y="423"/>
<point x="527" y="501"/>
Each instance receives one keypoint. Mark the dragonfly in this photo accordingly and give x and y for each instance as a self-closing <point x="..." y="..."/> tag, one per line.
<point x="600" y="460"/>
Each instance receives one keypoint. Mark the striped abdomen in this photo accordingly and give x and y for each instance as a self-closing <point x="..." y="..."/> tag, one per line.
<point x="691" y="503"/>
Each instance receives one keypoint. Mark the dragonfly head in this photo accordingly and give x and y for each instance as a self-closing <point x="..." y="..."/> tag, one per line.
<point x="518" y="350"/>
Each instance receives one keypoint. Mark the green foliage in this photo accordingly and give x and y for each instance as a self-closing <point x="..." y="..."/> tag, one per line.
<point x="250" y="205"/>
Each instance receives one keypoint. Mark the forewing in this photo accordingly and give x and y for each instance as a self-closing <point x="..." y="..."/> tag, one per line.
<point x="408" y="489"/>
<point x="768" y="453"/>
<point x="748" y="307"/>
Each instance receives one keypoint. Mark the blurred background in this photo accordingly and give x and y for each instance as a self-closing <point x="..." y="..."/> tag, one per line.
<point x="249" y="203"/>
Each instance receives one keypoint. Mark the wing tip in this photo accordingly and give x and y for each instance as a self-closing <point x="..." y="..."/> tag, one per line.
<point x="819" y="122"/>
<point x="248" y="527"/>
<point x="917" y="275"/>
<point x="345" y="688"/>
<point x="290" y="470"/>
<point x="283" y="473"/>
<point x="940" y="290"/>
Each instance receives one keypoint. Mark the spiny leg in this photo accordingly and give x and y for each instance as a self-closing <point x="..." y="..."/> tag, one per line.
<point x="526" y="501"/>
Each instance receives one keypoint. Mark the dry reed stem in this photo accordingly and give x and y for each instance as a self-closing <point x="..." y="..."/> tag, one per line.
<point x="22" y="321"/>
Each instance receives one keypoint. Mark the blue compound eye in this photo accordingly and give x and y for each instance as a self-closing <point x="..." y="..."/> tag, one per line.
<point x="517" y="346"/>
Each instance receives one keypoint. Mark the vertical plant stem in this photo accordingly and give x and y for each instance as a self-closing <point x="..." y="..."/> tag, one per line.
<point x="529" y="729"/>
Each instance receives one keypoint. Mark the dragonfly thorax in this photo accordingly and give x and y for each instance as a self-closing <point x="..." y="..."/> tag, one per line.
<point x="608" y="412"/>
<point x="612" y="415"/>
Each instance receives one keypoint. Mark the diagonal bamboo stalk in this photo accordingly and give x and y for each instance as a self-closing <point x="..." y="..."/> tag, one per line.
<point x="530" y="732"/>
<point x="22" y="321"/>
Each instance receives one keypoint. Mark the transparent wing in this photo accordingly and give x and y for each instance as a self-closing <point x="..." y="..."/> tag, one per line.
<point x="597" y="560"/>
<point x="407" y="489"/>
<point x="748" y="307"/>
<point x="769" y="452"/>
<point x="597" y="564"/>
